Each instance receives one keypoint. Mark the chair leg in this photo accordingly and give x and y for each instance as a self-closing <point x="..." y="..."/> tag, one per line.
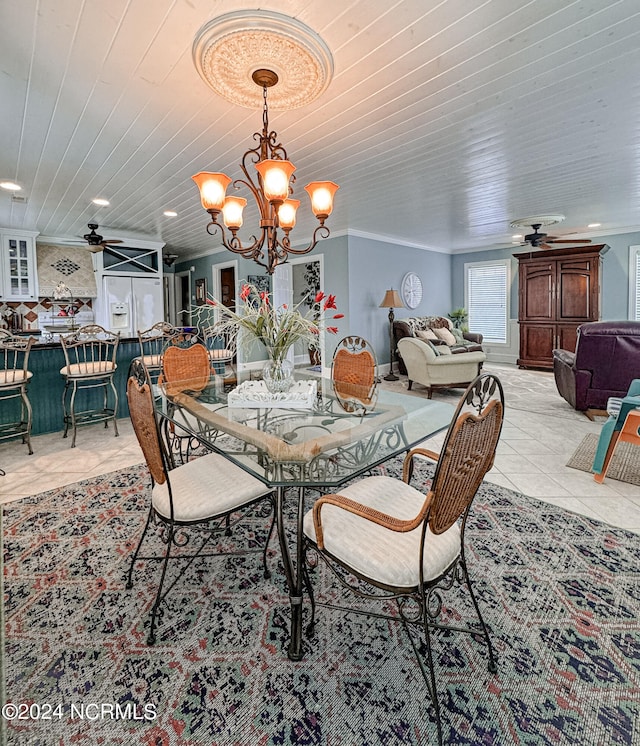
<point x="29" y="419"/>
<point x="129" y="584"/>
<point x="432" y="676"/>
<point x="115" y="407"/>
<point x="159" y="597"/>
<point x="72" y="407"/>
<point x="65" y="412"/>
<point x="599" y="477"/>
<point x="492" y="661"/>
<point x="310" y="630"/>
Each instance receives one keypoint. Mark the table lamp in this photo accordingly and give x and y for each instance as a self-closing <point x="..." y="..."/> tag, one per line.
<point x="391" y="300"/>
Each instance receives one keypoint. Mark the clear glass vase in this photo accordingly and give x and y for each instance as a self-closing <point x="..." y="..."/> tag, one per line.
<point x="278" y="375"/>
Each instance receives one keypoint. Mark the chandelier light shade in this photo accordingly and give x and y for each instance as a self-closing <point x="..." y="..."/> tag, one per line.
<point x="271" y="190"/>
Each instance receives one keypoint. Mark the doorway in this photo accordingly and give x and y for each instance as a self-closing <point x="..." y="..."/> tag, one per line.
<point x="181" y="313"/>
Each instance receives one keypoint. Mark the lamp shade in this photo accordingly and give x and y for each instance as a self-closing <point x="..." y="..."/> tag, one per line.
<point x="321" y="194"/>
<point x="232" y="211"/>
<point x="212" y="189"/>
<point x="391" y="300"/>
<point x="287" y="213"/>
<point x="275" y="176"/>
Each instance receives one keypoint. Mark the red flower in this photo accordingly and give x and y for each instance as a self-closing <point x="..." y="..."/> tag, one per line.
<point x="319" y="296"/>
<point x="245" y="292"/>
<point x="264" y="296"/>
<point x="330" y="302"/>
<point x="332" y="329"/>
<point x="338" y="316"/>
<point x="211" y="302"/>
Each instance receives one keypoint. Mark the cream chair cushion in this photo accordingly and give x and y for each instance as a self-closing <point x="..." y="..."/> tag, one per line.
<point x="220" y="354"/>
<point x="204" y="487"/>
<point x="426" y="334"/>
<point x="11" y="378"/>
<point x="389" y="557"/>
<point x="80" y="370"/>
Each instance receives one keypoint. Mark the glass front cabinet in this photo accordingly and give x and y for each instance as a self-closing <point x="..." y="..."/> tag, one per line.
<point x="18" y="274"/>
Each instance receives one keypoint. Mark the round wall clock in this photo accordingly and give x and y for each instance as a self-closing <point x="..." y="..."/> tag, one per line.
<point x="411" y="290"/>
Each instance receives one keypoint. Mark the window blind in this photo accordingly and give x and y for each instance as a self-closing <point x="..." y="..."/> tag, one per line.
<point x="487" y="294"/>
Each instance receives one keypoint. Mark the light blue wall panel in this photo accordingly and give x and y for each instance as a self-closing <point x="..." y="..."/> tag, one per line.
<point x="376" y="266"/>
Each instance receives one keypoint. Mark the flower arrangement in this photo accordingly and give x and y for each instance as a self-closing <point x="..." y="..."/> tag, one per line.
<point x="277" y="328"/>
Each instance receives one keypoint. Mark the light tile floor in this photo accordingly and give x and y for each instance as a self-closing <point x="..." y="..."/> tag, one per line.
<point x="531" y="459"/>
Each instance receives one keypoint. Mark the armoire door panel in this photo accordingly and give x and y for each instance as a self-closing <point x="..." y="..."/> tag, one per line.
<point x="538" y="294"/>
<point x="567" y="337"/>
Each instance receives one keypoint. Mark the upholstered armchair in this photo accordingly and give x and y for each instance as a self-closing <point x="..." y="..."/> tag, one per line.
<point x="436" y="366"/>
<point x="606" y="360"/>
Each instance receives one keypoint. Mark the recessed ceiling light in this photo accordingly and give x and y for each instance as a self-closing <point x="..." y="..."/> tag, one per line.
<point x="594" y="225"/>
<point x="10" y="186"/>
<point x="170" y="213"/>
<point x="100" y="201"/>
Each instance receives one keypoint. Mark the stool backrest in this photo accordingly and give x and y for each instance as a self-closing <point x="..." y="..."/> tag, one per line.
<point x="90" y="345"/>
<point x="14" y="356"/>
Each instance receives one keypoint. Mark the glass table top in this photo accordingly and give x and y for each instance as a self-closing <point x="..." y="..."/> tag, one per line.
<point x="312" y="440"/>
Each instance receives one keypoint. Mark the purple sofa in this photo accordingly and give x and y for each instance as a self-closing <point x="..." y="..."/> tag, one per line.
<point x="606" y="360"/>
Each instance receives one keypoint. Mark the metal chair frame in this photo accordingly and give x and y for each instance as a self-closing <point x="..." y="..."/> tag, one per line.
<point x="14" y="378"/>
<point x="152" y="431"/>
<point x="221" y="341"/>
<point x="459" y="470"/>
<point x="153" y="342"/>
<point x="90" y="355"/>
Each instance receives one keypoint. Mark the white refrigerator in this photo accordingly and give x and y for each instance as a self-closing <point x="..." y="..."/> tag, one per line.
<point x="129" y="304"/>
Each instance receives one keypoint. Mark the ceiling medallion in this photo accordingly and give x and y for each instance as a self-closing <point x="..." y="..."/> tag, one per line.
<point x="229" y="49"/>
<point x="540" y="220"/>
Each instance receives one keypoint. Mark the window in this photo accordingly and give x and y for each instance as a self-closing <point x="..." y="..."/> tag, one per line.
<point x="634" y="283"/>
<point x="487" y="298"/>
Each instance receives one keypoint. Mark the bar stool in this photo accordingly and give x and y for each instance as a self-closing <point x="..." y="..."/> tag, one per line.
<point x="152" y="344"/>
<point x="221" y="341"/>
<point x="14" y="377"/>
<point x="90" y="355"/>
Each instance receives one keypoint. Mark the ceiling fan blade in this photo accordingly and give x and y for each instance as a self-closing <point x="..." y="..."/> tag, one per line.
<point x="569" y="240"/>
<point x="111" y="240"/>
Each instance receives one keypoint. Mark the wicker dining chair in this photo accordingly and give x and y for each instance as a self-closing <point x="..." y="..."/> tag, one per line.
<point x="153" y="342"/>
<point x="206" y="496"/>
<point x="408" y="547"/>
<point x="14" y="378"/>
<point x="90" y="365"/>
<point x="354" y="375"/>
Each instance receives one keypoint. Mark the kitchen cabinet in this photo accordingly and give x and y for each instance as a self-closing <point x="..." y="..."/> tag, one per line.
<point x="559" y="289"/>
<point x="18" y="271"/>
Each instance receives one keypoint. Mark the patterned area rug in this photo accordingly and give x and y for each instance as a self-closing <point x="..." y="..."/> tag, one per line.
<point x="560" y="592"/>
<point x="624" y="466"/>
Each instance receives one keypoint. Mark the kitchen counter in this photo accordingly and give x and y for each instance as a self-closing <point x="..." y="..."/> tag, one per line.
<point x="46" y="387"/>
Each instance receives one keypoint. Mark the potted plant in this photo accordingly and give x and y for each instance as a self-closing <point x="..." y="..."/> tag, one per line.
<point x="459" y="318"/>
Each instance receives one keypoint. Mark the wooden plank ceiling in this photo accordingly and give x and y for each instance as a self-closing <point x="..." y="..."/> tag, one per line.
<point x="445" y="120"/>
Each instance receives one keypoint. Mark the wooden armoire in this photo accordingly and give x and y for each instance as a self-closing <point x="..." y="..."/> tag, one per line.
<point x="559" y="289"/>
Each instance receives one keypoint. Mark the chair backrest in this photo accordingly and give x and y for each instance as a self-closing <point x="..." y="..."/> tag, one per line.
<point x="90" y="345"/>
<point x="221" y="338"/>
<point x="153" y="340"/>
<point x="467" y="453"/>
<point x="14" y="357"/>
<point x="186" y="368"/>
<point x="143" y="419"/>
<point x="354" y="374"/>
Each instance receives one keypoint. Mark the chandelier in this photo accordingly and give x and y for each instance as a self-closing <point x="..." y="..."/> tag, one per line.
<point x="271" y="191"/>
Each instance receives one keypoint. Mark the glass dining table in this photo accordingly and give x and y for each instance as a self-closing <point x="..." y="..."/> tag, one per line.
<point x="310" y="438"/>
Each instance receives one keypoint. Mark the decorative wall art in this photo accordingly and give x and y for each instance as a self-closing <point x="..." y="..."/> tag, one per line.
<point x="201" y="291"/>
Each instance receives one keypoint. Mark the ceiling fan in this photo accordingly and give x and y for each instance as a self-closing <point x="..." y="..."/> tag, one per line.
<point x="539" y="240"/>
<point x="95" y="240"/>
